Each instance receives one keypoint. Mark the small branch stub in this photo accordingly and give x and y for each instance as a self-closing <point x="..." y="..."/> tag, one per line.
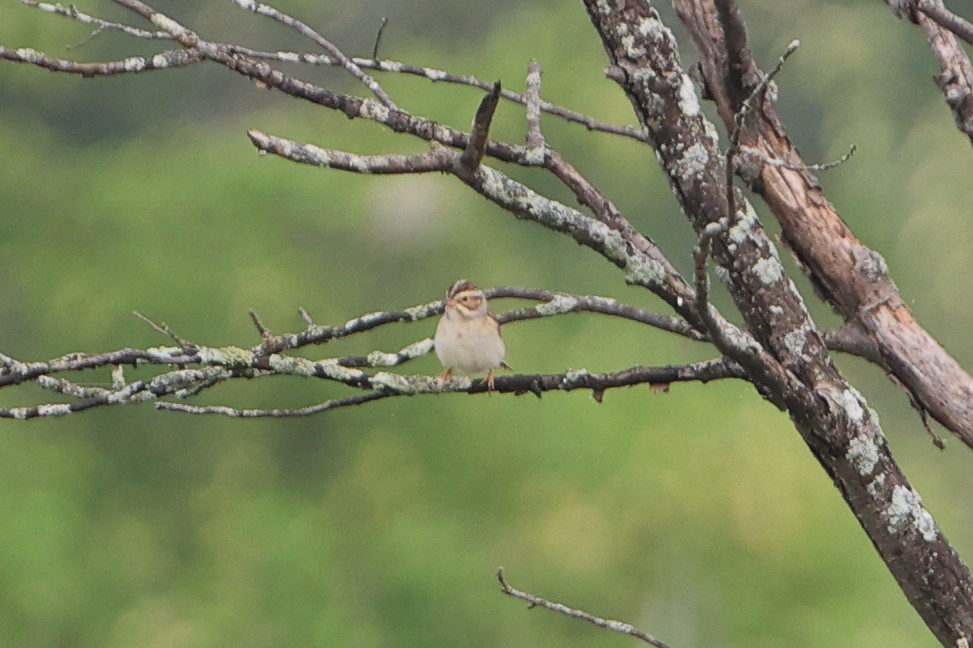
<point x="473" y="154"/>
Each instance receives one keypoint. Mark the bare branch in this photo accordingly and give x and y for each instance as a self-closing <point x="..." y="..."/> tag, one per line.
<point x="385" y="385"/>
<point x="378" y="38"/>
<point x="332" y="49"/>
<point x="644" y="265"/>
<point x="442" y="76"/>
<point x="234" y="412"/>
<point x="556" y="303"/>
<point x="956" y="71"/>
<point x="473" y="154"/>
<point x="751" y="154"/>
<point x="850" y="276"/>
<point x="739" y="119"/>
<point x="836" y="422"/>
<point x="535" y="139"/>
<point x="72" y="12"/>
<point x="165" y="330"/>
<point x="228" y="363"/>
<point x="946" y="18"/>
<point x="133" y="64"/>
<point x="560" y="608"/>
<point x="432" y="161"/>
<point x="701" y="253"/>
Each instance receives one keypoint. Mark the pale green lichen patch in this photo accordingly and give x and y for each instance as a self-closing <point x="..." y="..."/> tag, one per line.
<point x="574" y="376"/>
<point x="693" y="163"/>
<point x="744" y="221"/>
<point x="535" y="155"/>
<point x="329" y="368"/>
<point x="373" y="110"/>
<point x="874" y="487"/>
<point x="226" y="356"/>
<point x="768" y="270"/>
<point x="319" y="157"/>
<point x="649" y="27"/>
<point x="434" y="74"/>
<point x="28" y="54"/>
<point x="367" y="319"/>
<point x="167" y="24"/>
<point x="688" y="102"/>
<point x="603" y="7"/>
<point x="418" y="349"/>
<point x="862" y="454"/>
<point x="417" y="384"/>
<point x="640" y="271"/>
<point x="57" y="409"/>
<point x="795" y="342"/>
<point x="382" y="359"/>
<point x="906" y="508"/>
<point x="851" y="402"/>
<point x="560" y="304"/>
<point x="146" y="396"/>
<point x="423" y="310"/>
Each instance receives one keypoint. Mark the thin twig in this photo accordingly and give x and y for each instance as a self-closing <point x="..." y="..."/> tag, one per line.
<point x="473" y="154"/>
<point x="385" y="385"/>
<point x="131" y="65"/>
<point x="305" y="316"/>
<point x="574" y="613"/>
<point x="753" y="153"/>
<point x="72" y="12"/>
<point x="264" y="332"/>
<point x="332" y="49"/>
<point x="437" y="160"/>
<point x="535" y="139"/>
<point x="273" y="413"/>
<point x="442" y="76"/>
<point x="701" y="253"/>
<point x="739" y="119"/>
<point x="165" y="330"/>
<point x="378" y="37"/>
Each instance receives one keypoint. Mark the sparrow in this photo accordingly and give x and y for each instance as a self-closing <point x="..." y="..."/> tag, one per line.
<point x="468" y="335"/>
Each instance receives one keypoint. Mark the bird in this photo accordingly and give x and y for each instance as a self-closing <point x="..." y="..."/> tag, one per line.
<point x="468" y="335"/>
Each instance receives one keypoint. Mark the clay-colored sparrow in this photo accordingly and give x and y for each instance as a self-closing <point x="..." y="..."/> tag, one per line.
<point x="468" y="335"/>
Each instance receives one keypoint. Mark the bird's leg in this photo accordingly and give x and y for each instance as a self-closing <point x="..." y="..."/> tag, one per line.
<point x="489" y="381"/>
<point x="444" y="376"/>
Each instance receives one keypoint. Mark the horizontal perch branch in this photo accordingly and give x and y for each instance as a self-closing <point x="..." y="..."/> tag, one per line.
<point x="389" y="385"/>
<point x="200" y="367"/>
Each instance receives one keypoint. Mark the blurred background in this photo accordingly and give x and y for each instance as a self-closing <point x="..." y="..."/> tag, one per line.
<point x="697" y="514"/>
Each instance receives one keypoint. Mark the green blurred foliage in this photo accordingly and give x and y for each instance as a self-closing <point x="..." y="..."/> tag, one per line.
<point x="696" y="514"/>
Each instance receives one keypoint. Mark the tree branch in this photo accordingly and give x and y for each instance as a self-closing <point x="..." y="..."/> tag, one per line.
<point x="560" y="608"/>
<point x="305" y="30"/>
<point x="72" y="12"/>
<point x="833" y="418"/>
<point x="133" y="64"/>
<point x="475" y="148"/>
<point x="200" y="368"/>
<point x="851" y="277"/>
